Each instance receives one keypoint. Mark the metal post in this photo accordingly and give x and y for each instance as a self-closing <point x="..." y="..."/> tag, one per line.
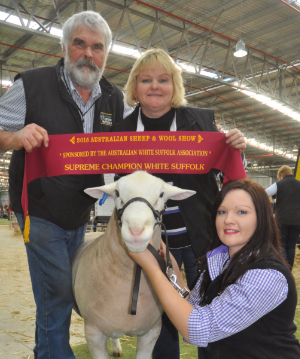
<point x="1" y="78"/>
<point x="85" y="5"/>
<point x="280" y="83"/>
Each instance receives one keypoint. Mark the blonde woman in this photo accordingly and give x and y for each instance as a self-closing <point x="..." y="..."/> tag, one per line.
<point x="155" y="89"/>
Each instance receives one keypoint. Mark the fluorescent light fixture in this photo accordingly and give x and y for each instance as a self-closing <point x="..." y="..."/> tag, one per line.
<point x="271" y="103"/>
<point x="189" y="68"/>
<point x="263" y="146"/>
<point x="56" y="32"/>
<point x="126" y="51"/>
<point x="13" y="19"/>
<point x="208" y="74"/>
<point x="253" y="142"/>
<point x="6" y="83"/>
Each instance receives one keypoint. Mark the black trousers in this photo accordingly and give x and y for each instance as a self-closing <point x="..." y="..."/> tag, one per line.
<point x="289" y="237"/>
<point x="167" y="345"/>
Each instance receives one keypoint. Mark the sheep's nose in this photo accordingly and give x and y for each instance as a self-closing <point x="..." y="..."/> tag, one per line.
<point x="136" y="231"/>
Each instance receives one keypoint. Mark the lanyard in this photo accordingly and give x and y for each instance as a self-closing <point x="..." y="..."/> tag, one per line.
<point x="78" y="108"/>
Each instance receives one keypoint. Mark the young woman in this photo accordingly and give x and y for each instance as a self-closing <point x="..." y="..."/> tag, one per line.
<point x="243" y="304"/>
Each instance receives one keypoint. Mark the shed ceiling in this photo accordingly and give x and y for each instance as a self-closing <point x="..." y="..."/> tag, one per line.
<point x="201" y="36"/>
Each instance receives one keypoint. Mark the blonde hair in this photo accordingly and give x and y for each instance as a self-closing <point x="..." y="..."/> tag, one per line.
<point x="148" y="61"/>
<point x="285" y="171"/>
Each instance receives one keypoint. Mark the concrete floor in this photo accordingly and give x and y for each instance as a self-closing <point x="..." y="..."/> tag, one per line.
<point x="17" y="307"/>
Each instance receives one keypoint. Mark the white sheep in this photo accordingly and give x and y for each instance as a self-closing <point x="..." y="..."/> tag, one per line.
<point x="103" y="272"/>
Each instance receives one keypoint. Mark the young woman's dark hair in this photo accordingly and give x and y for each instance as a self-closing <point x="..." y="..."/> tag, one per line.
<point x="264" y="241"/>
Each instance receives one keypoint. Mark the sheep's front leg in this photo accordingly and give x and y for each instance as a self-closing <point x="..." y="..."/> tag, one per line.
<point x="146" y="342"/>
<point x="96" y="341"/>
<point x="116" y="347"/>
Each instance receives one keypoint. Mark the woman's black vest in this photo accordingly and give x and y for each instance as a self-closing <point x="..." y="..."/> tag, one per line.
<point x="288" y="201"/>
<point x="60" y="199"/>
<point x="270" y="337"/>
<point x="196" y="209"/>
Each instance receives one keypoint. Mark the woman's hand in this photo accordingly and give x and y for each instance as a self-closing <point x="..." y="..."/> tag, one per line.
<point x="162" y="251"/>
<point x="177" y="308"/>
<point x="219" y="127"/>
<point x="236" y="139"/>
<point x="145" y="259"/>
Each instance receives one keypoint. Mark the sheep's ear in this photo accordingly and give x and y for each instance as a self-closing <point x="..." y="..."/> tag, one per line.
<point x="176" y="193"/>
<point x="97" y="192"/>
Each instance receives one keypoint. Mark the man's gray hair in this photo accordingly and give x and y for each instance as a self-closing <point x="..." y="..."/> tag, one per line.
<point x="92" y="20"/>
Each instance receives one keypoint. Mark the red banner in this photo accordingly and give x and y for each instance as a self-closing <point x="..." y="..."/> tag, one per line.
<point x="125" y="152"/>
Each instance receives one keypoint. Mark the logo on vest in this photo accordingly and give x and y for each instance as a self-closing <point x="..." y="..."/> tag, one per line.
<point x="106" y="119"/>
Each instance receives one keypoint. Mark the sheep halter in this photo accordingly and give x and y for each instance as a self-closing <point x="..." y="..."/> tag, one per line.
<point x="120" y="211"/>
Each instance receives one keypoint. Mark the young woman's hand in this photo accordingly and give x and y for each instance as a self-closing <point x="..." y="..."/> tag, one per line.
<point x="162" y="251"/>
<point x="145" y="259"/>
<point x="177" y="308"/>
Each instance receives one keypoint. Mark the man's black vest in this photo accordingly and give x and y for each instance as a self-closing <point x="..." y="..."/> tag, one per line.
<point x="288" y="201"/>
<point x="270" y="337"/>
<point x="60" y="199"/>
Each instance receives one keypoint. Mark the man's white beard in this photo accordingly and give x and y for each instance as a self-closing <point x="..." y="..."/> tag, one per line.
<point x="85" y="77"/>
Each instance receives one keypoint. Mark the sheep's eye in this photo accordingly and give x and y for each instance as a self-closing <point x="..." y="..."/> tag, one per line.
<point x="161" y="195"/>
<point x="117" y="193"/>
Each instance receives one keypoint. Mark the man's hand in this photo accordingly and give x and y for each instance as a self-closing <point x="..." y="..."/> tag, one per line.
<point x="236" y="139"/>
<point x="30" y="137"/>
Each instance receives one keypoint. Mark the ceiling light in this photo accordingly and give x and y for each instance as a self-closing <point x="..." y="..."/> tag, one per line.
<point x="240" y="46"/>
<point x="240" y="49"/>
<point x="295" y="149"/>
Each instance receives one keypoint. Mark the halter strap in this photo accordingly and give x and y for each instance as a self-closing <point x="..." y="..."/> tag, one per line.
<point x="120" y="211"/>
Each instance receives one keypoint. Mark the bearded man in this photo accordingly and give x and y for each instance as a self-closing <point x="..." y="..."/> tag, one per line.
<point x="71" y="97"/>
